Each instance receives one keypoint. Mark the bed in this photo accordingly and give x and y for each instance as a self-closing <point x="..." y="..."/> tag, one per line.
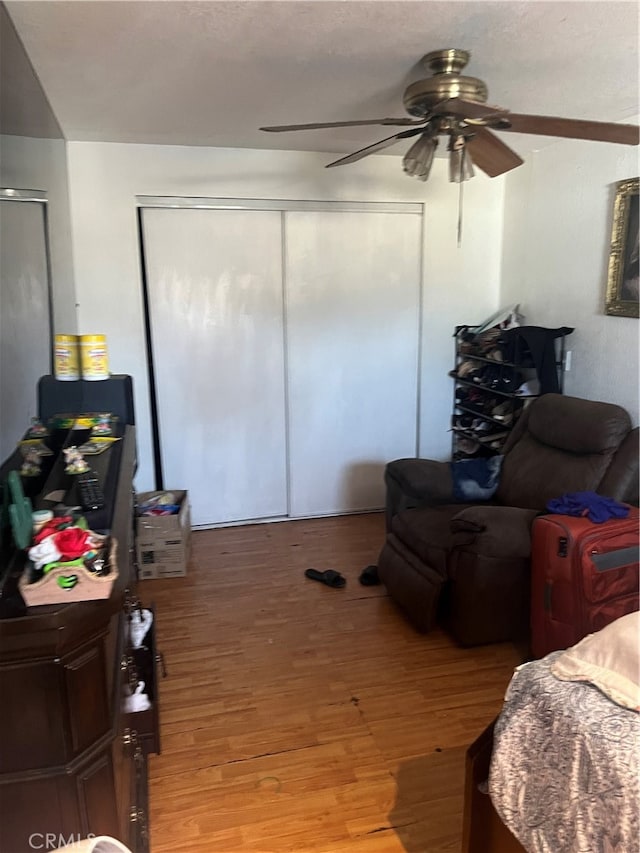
<point x="565" y="767"/>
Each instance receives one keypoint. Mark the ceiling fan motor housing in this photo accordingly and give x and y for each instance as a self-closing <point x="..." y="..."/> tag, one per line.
<point x="447" y="82"/>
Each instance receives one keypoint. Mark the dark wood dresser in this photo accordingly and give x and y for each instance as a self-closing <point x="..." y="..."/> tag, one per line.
<point x="72" y="762"/>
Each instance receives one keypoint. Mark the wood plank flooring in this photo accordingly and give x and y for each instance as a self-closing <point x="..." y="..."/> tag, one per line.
<point x="295" y="717"/>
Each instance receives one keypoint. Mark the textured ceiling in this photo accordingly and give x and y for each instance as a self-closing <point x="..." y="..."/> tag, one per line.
<point x="210" y="73"/>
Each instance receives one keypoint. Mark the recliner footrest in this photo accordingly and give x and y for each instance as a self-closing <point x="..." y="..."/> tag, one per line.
<point x="416" y="588"/>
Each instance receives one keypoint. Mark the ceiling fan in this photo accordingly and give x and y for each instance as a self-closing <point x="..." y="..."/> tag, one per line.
<point x="453" y="105"/>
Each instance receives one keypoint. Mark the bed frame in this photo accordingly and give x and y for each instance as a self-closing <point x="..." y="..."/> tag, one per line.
<point x="482" y="830"/>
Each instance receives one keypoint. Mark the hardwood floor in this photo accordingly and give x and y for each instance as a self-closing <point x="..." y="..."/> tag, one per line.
<point x="301" y="718"/>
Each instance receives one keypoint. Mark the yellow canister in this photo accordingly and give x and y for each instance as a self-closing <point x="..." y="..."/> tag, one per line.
<point x="65" y="357"/>
<point x="94" y="358"/>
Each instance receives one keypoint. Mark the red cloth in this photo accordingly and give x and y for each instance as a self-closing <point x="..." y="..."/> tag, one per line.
<point x="51" y="527"/>
<point x="72" y="542"/>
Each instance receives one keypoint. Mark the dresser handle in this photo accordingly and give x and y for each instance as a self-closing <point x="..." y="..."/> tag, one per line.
<point x="128" y="665"/>
<point x="160" y="661"/>
<point x="130" y="737"/>
<point x="131" y="600"/>
<point x="136" y="814"/>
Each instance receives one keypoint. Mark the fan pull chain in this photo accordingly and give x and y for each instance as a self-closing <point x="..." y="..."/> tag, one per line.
<point x="460" y="199"/>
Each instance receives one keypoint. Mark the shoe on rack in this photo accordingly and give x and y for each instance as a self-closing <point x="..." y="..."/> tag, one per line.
<point x="475" y="405"/>
<point x="489" y="428"/>
<point x="531" y="388"/>
<point x="495" y="355"/>
<point x="489" y="404"/>
<point x="509" y="382"/>
<point x="501" y="410"/>
<point x="492" y="376"/>
<point x="468" y="395"/>
<point x="467" y="369"/>
<point x="486" y="341"/>
<point x="464" y="422"/>
<point x="467" y="446"/>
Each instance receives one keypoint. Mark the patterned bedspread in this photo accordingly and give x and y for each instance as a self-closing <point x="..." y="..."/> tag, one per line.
<point x="565" y="768"/>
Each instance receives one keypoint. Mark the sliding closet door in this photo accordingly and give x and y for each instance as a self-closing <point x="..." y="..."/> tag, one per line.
<point x="214" y="284"/>
<point x="352" y="304"/>
<point x="25" y="316"/>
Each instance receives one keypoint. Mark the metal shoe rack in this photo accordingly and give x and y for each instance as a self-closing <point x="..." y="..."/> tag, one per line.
<point x="490" y="392"/>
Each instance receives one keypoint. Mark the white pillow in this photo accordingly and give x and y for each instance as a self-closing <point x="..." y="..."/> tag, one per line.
<point x="609" y="659"/>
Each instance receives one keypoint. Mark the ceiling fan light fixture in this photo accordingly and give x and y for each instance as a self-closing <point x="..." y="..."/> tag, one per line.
<point x="418" y="160"/>
<point x="460" y="165"/>
<point x="455" y="105"/>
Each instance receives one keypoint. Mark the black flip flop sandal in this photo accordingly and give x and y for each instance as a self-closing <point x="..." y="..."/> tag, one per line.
<point x="369" y="576"/>
<point x="328" y="577"/>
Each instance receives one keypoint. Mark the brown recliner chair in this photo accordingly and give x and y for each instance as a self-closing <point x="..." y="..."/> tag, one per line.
<point x="467" y="565"/>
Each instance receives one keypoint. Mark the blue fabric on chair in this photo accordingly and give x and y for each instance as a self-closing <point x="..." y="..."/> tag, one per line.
<point x="475" y="479"/>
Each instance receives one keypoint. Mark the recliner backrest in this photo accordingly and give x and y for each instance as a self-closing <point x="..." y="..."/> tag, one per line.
<point x="561" y="444"/>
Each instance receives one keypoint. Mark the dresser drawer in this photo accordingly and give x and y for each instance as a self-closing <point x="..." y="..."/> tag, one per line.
<point x="149" y="666"/>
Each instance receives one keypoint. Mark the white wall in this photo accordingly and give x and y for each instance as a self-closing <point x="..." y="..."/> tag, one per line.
<point x="558" y="215"/>
<point x="552" y="257"/>
<point x="41" y="164"/>
<point x="460" y="285"/>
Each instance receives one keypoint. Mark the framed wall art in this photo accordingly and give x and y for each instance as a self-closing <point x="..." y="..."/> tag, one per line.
<point x="622" y="299"/>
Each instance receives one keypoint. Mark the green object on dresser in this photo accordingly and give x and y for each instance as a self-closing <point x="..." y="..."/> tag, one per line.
<point x="20" y="510"/>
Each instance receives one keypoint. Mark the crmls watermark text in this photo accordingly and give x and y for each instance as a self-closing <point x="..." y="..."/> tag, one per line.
<point x="53" y="840"/>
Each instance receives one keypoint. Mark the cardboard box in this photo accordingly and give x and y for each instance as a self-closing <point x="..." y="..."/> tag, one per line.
<point x="163" y="542"/>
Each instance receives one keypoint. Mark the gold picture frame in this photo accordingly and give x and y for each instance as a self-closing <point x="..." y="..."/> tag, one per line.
<point x="622" y="279"/>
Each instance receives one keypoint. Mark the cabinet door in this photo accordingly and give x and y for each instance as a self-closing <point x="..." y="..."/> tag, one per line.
<point x="214" y="284"/>
<point x="96" y="792"/>
<point x="352" y="306"/>
<point x="86" y="691"/>
<point x="49" y="809"/>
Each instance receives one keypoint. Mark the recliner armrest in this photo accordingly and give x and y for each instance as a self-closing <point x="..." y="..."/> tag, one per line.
<point x="496" y="531"/>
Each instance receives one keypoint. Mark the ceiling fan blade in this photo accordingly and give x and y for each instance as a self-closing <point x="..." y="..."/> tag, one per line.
<point x="377" y="146"/>
<point x="393" y="122"/>
<point x="599" y="131"/>
<point x="469" y="109"/>
<point x="491" y="154"/>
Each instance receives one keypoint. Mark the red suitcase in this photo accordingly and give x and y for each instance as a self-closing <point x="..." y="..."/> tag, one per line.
<point x="583" y="576"/>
